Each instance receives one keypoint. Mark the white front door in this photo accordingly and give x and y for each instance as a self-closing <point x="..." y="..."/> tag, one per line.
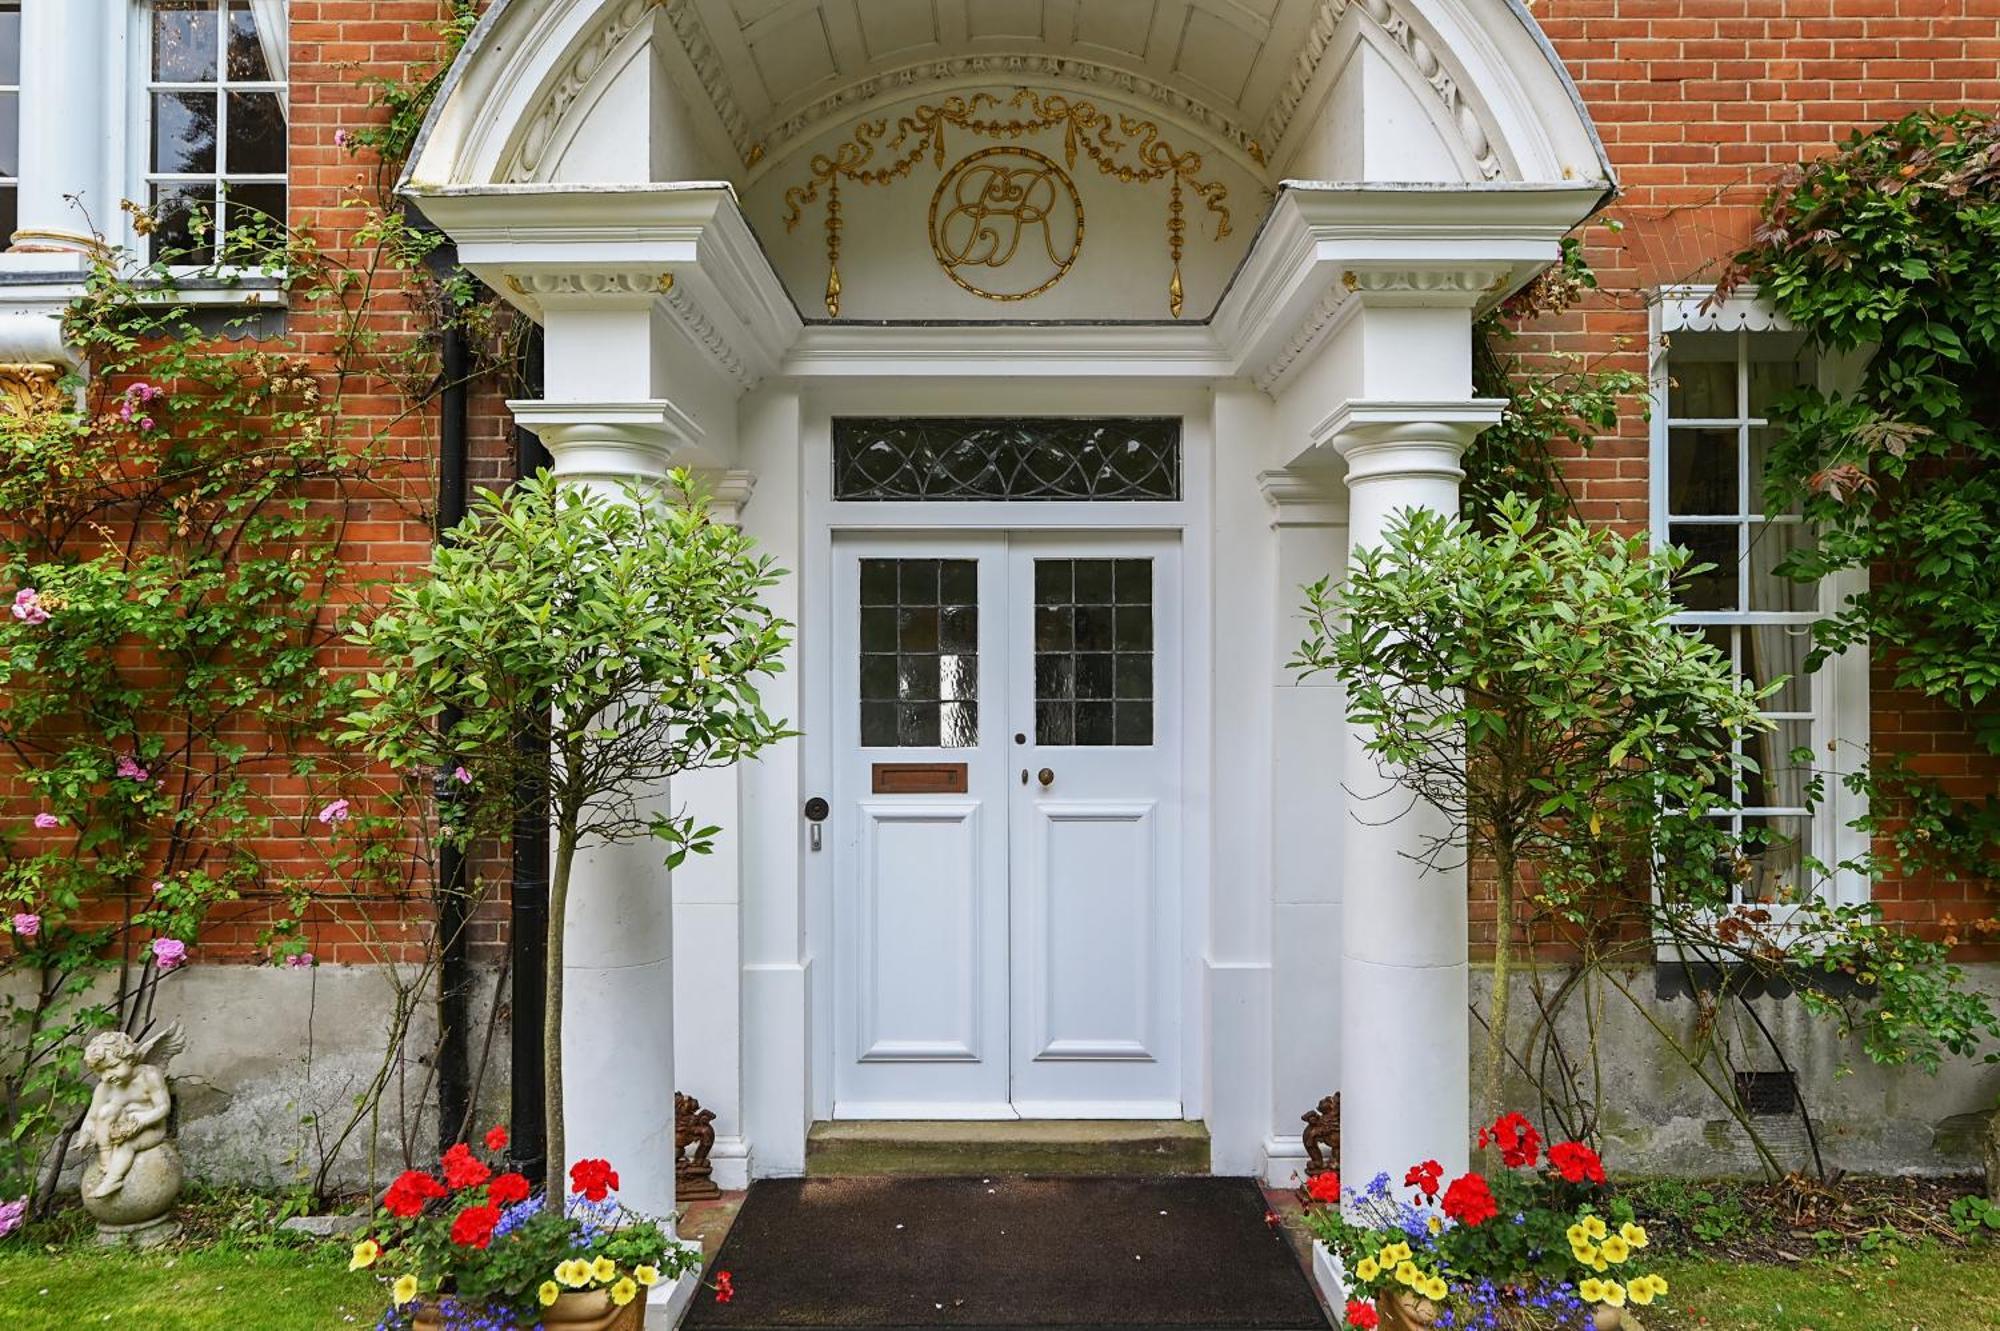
<point x="1006" y="826"/>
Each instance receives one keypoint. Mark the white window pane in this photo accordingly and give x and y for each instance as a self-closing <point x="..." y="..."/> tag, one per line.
<point x="1770" y="592"/>
<point x="1778" y="364"/>
<point x="175" y="209"/>
<point x="246" y="53"/>
<point x="10" y="134"/>
<point x="1711" y="582"/>
<point x="1702" y="471"/>
<point x="10" y="43"/>
<point x="184" y="41"/>
<point x="1701" y="376"/>
<point x="184" y="133"/>
<point x="256" y="134"/>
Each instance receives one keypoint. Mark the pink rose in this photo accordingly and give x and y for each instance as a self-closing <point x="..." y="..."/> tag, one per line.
<point x="28" y="607"/>
<point x="145" y="422"/>
<point x="169" y="953"/>
<point x="128" y="768"/>
<point x="335" y="812"/>
<point x="27" y="925"/>
<point x="47" y="820"/>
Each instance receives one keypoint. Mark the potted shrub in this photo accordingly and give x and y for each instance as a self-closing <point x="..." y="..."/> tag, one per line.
<point x="1538" y="1245"/>
<point x="468" y="1246"/>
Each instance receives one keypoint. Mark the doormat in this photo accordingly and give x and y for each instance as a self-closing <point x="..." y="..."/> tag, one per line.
<point x="985" y="1254"/>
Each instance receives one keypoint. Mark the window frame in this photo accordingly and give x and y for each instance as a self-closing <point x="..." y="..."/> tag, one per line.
<point x="1838" y="701"/>
<point x="235" y="282"/>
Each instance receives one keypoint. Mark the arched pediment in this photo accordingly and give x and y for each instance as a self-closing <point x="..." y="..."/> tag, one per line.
<point x="730" y="87"/>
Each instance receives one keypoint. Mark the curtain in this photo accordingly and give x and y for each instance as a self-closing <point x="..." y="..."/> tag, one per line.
<point x="274" y="34"/>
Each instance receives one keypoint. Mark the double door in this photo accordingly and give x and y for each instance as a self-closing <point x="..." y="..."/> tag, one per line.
<point x="1006" y="831"/>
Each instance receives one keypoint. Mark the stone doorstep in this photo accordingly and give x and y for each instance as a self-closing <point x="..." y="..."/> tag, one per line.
<point x="1147" y="1147"/>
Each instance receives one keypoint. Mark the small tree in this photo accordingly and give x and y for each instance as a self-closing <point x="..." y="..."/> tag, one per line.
<point x="1527" y="682"/>
<point x="623" y="640"/>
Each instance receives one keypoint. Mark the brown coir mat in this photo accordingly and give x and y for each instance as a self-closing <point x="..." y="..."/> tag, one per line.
<point x="1003" y="1252"/>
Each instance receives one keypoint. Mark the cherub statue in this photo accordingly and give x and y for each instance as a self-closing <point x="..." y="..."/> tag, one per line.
<point x="129" y="1110"/>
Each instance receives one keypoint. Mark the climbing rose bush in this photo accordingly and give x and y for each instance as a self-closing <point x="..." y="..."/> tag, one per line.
<point x="1540" y="1244"/>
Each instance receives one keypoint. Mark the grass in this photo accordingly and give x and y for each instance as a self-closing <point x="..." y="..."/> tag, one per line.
<point x="1922" y="1288"/>
<point x="75" y="1287"/>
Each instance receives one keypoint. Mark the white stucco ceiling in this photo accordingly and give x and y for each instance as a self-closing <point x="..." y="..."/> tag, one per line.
<point x="788" y="63"/>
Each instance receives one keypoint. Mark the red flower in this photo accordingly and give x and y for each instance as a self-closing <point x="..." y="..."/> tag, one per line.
<point x="474" y="1226"/>
<point x="1324" y="1187"/>
<point x="1519" y="1142"/>
<point x="1425" y="1177"/>
<point x="496" y="1138"/>
<point x="507" y="1189"/>
<point x="725" y="1288"/>
<point x="593" y="1178"/>
<point x="462" y="1169"/>
<point x="1271" y="1218"/>
<point x="1576" y="1162"/>
<point x="1362" y="1315"/>
<point x="407" y="1195"/>
<point x="1469" y="1201"/>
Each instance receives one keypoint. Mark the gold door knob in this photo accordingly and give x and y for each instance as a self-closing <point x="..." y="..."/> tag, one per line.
<point x="1045" y="776"/>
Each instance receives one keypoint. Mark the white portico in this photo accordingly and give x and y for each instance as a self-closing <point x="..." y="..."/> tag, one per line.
<point x="1052" y="347"/>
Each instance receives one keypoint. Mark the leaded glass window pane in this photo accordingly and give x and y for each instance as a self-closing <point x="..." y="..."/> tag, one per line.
<point x="1094" y="651"/>
<point x="919" y="653"/>
<point x="1018" y="459"/>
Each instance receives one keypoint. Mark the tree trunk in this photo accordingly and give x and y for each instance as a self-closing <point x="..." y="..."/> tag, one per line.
<point x="555" y="1183"/>
<point x="1495" y="1071"/>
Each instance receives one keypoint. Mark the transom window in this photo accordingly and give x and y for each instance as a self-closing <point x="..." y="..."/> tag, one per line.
<point x="1049" y="458"/>
<point x="10" y="119"/>
<point x="216" y="102"/>
<point x="1712" y="440"/>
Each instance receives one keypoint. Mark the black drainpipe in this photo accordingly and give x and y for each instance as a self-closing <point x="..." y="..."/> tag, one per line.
<point x="454" y="1072"/>
<point x="528" y="919"/>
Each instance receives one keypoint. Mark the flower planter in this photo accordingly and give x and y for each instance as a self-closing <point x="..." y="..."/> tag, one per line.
<point x="590" y="1310"/>
<point x="1401" y="1310"/>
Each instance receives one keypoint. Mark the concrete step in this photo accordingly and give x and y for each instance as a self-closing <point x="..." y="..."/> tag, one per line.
<point x="1151" y="1147"/>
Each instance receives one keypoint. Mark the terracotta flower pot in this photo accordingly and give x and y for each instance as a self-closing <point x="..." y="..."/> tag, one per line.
<point x="588" y="1310"/>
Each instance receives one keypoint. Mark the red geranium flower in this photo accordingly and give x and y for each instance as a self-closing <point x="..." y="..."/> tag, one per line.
<point x="593" y="1178"/>
<point x="1576" y="1162"/>
<point x="1469" y="1201"/>
<point x="474" y="1226"/>
<point x="1519" y="1142"/>
<point x="1362" y="1315"/>
<point x="725" y="1289"/>
<point x="1324" y="1187"/>
<point x="463" y="1169"/>
<point x="496" y="1138"/>
<point x="508" y="1189"/>
<point x="1425" y="1177"/>
<point x="407" y="1195"/>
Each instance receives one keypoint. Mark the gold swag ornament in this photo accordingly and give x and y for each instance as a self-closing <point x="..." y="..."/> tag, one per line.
<point x="1129" y="150"/>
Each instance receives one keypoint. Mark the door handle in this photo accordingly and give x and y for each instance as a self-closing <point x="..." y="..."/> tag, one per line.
<point x="1046" y="777"/>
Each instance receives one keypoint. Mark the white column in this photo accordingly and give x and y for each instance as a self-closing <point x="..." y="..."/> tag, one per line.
<point x="1404" y="1030"/>
<point x="618" y="936"/>
<point x="65" y="138"/>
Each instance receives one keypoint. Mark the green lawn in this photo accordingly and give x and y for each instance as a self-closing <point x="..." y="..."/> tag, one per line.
<point x="214" y="1287"/>
<point x="305" y="1289"/>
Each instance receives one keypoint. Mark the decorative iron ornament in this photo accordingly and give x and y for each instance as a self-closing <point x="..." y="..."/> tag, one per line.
<point x="1046" y="459"/>
<point x="992" y="202"/>
<point x="1129" y="150"/>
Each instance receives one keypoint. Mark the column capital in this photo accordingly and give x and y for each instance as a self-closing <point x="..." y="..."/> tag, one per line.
<point x="609" y="443"/>
<point x="1303" y="496"/>
<point x="1385" y="440"/>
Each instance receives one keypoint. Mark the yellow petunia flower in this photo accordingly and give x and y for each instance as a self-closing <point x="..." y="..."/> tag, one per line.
<point x="603" y="1269"/>
<point x="365" y="1253"/>
<point x="1407" y="1273"/>
<point x="549" y="1292"/>
<point x="1640" y="1291"/>
<point x="624" y="1291"/>
<point x="1585" y="1254"/>
<point x="1436" y="1224"/>
<point x="1394" y="1253"/>
<point x="1595" y="1226"/>
<point x="1435" y="1289"/>
<point x="1659" y="1284"/>
<point x="1591" y="1290"/>
<point x="575" y="1274"/>
<point x="1615" y="1250"/>
<point x="404" y="1289"/>
<point x="648" y="1276"/>
<point x="1600" y="1265"/>
<point x="1578" y="1236"/>
<point x="1614" y="1294"/>
<point x="1633" y="1234"/>
<point x="1367" y="1269"/>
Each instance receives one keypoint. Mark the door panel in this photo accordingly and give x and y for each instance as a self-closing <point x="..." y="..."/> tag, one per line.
<point x="1011" y="948"/>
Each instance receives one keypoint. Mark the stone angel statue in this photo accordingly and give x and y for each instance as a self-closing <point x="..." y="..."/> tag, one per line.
<point x="136" y="1175"/>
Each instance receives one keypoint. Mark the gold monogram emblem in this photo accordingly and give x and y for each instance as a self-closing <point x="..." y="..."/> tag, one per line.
<point x="1006" y="223"/>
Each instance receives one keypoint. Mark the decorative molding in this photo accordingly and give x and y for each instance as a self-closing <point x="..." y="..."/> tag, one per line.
<point x="701" y="330"/>
<point x="30" y="388"/>
<point x="573" y="283"/>
<point x="1382" y="439"/>
<point x="910" y="79"/>
<point x="1689" y="309"/>
<point x="1306" y="336"/>
<point x="587" y="56"/>
<point x="1312" y="51"/>
<point x="1305" y="497"/>
<point x="1473" y="282"/>
<point x="707" y="62"/>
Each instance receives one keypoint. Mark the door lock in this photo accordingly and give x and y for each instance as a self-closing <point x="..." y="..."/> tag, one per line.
<point x="816" y="811"/>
